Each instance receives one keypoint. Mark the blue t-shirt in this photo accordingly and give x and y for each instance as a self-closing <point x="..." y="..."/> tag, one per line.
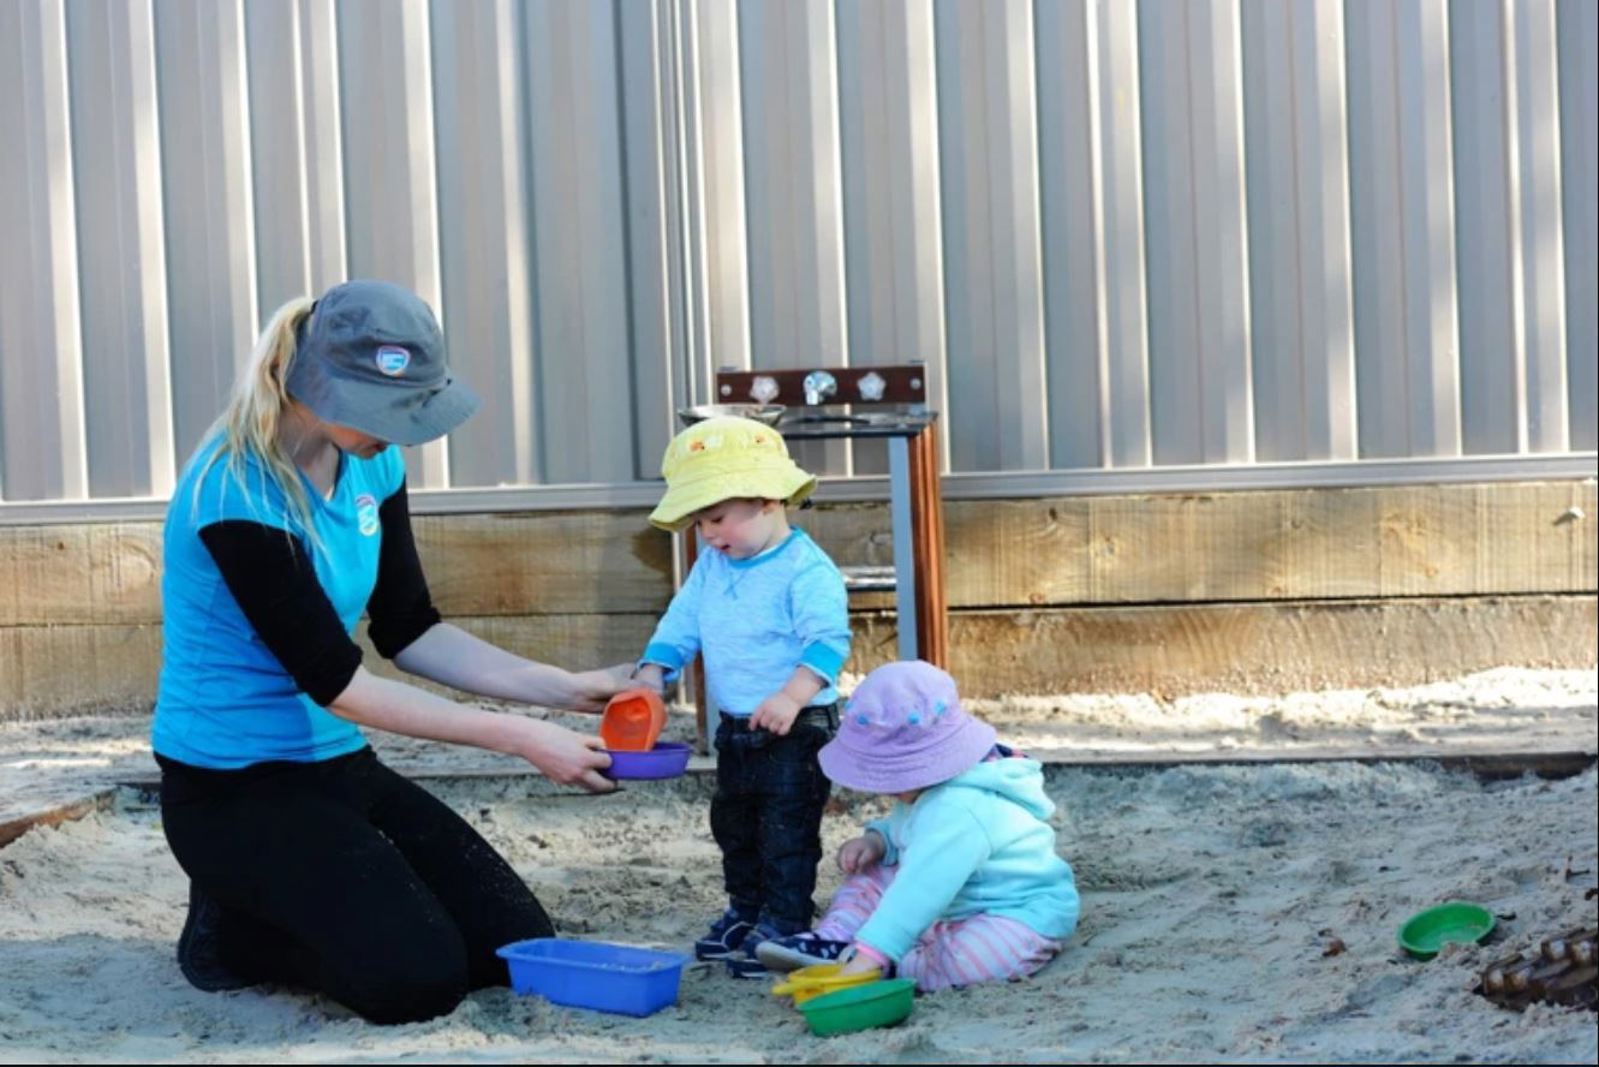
<point x="225" y="701"/>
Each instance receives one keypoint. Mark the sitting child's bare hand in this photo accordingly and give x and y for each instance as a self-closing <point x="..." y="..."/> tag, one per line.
<point x="861" y="963"/>
<point x="859" y="853"/>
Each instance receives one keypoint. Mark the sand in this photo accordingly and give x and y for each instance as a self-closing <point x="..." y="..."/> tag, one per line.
<point x="1210" y="896"/>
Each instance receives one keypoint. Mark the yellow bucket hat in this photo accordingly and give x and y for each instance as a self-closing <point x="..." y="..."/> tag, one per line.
<point x="726" y="458"/>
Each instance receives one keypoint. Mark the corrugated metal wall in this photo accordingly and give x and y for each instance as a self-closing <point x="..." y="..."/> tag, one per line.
<point x="1121" y="234"/>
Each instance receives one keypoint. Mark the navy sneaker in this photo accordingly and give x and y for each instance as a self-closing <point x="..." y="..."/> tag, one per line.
<point x="746" y="963"/>
<point x="799" y="950"/>
<point x="198" y="955"/>
<point x="726" y="937"/>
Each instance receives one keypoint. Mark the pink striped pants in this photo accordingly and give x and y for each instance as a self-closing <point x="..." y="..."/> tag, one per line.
<point x="951" y="952"/>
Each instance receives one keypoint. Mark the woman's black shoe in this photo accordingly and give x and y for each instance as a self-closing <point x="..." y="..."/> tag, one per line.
<point x="198" y="952"/>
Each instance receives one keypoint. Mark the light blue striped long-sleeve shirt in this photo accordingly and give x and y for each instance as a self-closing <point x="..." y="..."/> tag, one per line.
<point x="755" y="620"/>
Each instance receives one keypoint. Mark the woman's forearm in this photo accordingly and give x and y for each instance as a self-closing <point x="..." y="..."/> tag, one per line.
<point x="563" y="756"/>
<point x="450" y="656"/>
<point x="399" y="708"/>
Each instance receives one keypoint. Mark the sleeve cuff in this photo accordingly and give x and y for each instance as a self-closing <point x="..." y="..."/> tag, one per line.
<point x="882" y="961"/>
<point x="890" y="853"/>
<point x="663" y="655"/>
<point x="825" y="660"/>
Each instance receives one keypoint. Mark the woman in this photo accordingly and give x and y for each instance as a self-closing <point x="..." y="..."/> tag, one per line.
<point x="310" y="862"/>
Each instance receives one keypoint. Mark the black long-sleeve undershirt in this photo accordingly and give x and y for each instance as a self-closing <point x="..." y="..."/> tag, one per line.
<point x="270" y="574"/>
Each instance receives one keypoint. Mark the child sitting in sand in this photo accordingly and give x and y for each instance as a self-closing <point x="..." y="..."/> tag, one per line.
<point x="767" y="609"/>
<point x="961" y="883"/>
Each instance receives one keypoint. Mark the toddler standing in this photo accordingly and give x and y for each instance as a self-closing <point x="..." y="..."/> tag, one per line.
<point x="767" y="610"/>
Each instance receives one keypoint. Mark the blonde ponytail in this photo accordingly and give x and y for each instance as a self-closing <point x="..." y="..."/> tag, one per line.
<point x="248" y="428"/>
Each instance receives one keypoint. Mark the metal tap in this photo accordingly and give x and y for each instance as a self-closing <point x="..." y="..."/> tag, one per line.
<point x="819" y="384"/>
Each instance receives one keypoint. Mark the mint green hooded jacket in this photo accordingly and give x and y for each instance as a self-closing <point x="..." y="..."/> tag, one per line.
<point x="979" y="842"/>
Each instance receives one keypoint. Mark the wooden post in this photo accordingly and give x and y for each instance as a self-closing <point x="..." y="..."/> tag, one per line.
<point x="927" y="539"/>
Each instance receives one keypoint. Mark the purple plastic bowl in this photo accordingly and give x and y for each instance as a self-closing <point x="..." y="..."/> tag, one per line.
<point x="667" y="759"/>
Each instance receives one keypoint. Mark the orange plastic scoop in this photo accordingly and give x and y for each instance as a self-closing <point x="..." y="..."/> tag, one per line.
<point x="633" y="720"/>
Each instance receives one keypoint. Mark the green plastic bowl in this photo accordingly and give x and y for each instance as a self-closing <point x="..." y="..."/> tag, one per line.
<point x="860" y="1007"/>
<point x="1424" y="933"/>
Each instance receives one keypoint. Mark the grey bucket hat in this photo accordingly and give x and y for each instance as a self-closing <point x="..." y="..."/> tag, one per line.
<point x="371" y="356"/>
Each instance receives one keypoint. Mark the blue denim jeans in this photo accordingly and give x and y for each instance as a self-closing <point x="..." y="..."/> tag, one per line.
<point x="767" y="816"/>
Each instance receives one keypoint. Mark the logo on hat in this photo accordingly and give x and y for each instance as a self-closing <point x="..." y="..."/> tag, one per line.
<point x="366" y="514"/>
<point x="393" y="360"/>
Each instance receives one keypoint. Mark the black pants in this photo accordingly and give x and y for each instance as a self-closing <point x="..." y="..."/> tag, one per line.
<point x="346" y="878"/>
<point x="767" y="816"/>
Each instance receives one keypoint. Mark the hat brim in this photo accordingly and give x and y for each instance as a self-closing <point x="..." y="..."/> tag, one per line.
<point x="676" y="509"/>
<point x="871" y="772"/>
<point x="398" y="415"/>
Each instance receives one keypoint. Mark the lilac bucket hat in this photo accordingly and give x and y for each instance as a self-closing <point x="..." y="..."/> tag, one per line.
<point x="904" y="729"/>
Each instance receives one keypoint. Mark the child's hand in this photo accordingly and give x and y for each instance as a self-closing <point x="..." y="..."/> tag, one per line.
<point x="859" y="853"/>
<point x="861" y="963"/>
<point x="652" y="675"/>
<point x="776" y="713"/>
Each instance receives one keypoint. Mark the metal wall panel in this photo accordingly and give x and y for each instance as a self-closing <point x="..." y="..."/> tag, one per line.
<point x="1539" y="298"/>
<point x="390" y="162"/>
<point x="794" y="201"/>
<point x="579" y="225"/>
<point x="1579" y="162"/>
<point x="1211" y="234"/>
<point x="1299" y="247"/>
<point x="1492" y="377"/>
<point x="42" y="442"/>
<point x="204" y="118"/>
<point x="894" y="258"/>
<point x="718" y="218"/>
<point x="654" y="241"/>
<point x="1199" y="328"/>
<point x="993" y="261"/>
<point x="1407" y="334"/>
<point x="122" y="254"/>
<point x="483" y="240"/>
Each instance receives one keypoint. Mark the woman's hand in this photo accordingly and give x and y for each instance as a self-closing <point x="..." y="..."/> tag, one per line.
<point x="859" y="853"/>
<point x="590" y="690"/>
<point x="563" y="756"/>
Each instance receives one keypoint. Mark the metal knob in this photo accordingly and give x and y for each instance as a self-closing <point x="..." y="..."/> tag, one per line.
<point x="819" y="384"/>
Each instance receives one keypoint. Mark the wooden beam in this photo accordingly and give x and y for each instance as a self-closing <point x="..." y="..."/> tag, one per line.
<point x="18" y="815"/>
<point x="1448" y="540"/>
<point x="1442" y="540"/>
<point x="562" y="563"/>
<point x="1174" y="650"/>
<point x="88" y="573"/>
<point x="555" y="563"/>
<point x="51" y="671"/>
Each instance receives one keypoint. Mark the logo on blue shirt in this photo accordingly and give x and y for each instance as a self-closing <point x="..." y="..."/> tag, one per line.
<point x="366" y="514"/>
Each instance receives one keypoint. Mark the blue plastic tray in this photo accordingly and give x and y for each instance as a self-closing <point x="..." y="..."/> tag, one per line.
<point x="594" y="974"/>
